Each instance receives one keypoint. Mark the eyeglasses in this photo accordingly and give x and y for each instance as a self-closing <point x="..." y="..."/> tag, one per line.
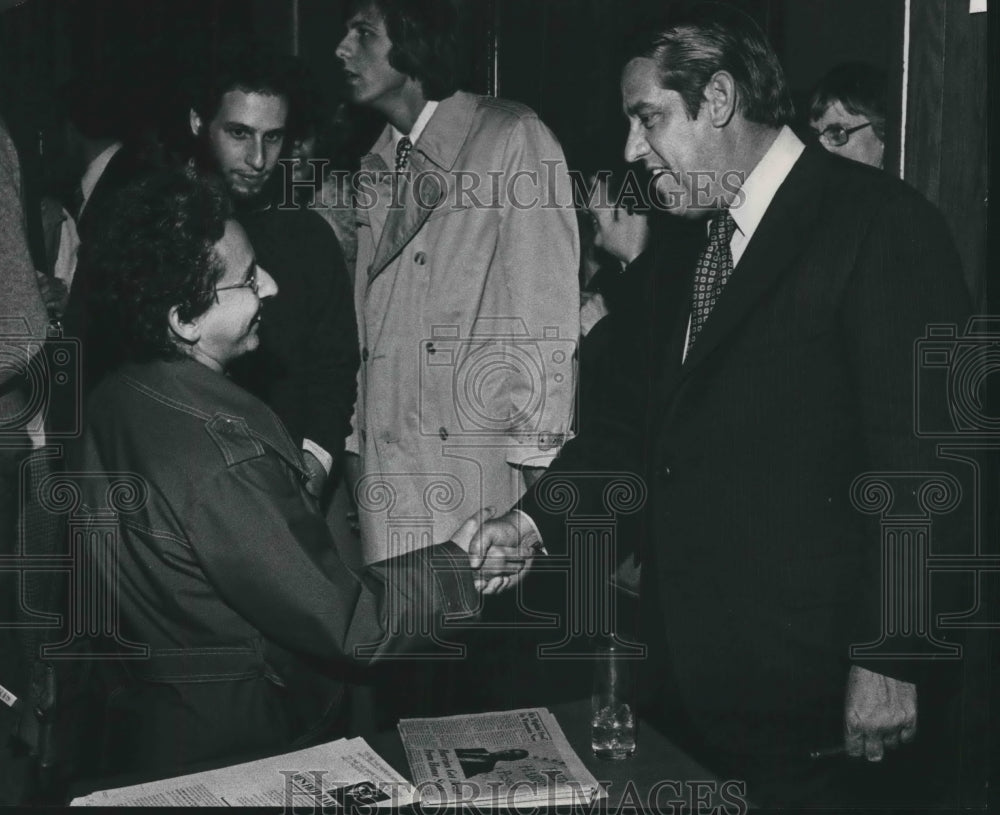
<point x="250" y="283"/>
<point x="838" y="135"/>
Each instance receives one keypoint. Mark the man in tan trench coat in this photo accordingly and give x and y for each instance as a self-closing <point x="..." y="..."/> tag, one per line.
<point x="465" y="286"/>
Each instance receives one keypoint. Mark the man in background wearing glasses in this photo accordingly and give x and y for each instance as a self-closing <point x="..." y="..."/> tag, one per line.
<point x="847" y="113"/>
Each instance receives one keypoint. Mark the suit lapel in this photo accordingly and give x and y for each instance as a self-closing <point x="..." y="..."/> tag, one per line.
<point x="673" y="305"/>
<point x="777" y="241"/>
<point x="371" y="211"/>
<point x="112" y="178"/>
<point x="433" y="157"/>
<point x="407" y="213"/>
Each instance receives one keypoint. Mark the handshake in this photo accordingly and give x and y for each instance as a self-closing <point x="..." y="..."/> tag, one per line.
<point x="500" y="550"/>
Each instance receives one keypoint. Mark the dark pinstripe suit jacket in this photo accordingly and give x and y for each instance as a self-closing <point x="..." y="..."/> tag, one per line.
<point x="758" y="571"/>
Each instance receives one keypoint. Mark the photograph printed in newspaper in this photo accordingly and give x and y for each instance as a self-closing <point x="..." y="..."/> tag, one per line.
<point x="517" y="757"/>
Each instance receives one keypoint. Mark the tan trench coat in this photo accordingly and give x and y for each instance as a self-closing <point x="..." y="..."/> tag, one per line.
<point x="468" y="313"/>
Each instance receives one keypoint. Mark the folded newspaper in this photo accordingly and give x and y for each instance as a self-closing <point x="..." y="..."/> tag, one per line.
<point x="345" y="773"/>
<point x="504" y="759"/>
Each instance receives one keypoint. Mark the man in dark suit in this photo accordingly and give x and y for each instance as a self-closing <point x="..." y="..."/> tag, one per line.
<point x="306" y="366"/>
<point x="770" y="370"/>
<point x="98" y="165"/>
<point x="94" y="133"/>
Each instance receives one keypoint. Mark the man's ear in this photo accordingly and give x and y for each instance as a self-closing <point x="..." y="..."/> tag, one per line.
<point x="187" y="332"/>
<point x="720" y="98"/>
<point x="195" y="121"/>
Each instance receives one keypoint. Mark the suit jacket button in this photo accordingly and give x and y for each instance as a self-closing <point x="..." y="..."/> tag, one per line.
<point x="443" y="433"/>
<point x="420" y="258"/>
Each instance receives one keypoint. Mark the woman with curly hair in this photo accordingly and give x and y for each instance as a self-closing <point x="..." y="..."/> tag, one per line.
<point x="233" y="604"/>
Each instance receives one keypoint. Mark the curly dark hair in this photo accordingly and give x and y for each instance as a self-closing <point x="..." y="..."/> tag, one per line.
<point x="155" y="250"/>
<point x="251" y="67"/>
<point x="424" y="41"/>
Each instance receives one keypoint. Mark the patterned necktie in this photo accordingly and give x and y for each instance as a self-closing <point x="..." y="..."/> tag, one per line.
<point x="715" y="265"/>
<point x="403" y="153"/>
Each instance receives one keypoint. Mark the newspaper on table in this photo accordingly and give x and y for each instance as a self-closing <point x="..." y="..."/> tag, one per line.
<point x="502" y="759"/>
<point x="345" y="773"/>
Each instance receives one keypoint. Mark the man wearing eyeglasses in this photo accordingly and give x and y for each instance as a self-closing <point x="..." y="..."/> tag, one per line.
<point x="765" y="382"/>
<point x="223" y="570"/>
<point x="847" y="113"/>
<point x="306" y="366"/>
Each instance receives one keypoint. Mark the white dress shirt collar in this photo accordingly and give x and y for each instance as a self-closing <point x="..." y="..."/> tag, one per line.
<point x="95" y="170"/>
<point x="760" y="187"/>
<point x="756" y="195"/>
<point x="418" y="126"/>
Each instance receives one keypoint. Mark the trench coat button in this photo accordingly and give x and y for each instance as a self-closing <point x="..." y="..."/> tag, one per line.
<point x="663" y="472"/>
<point x="364" y="354"/>
<point x="443" y="433"/>
<point x="549" y="441"/>
<point x="364" y="435"/>
<point x="420" y="258"/>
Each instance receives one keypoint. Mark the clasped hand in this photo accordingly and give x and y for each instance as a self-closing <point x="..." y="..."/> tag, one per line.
<point x="501" y="551"/>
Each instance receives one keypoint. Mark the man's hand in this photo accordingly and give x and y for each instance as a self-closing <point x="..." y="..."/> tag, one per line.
<point x="503" y="551"/>
<point x="317" y="475"/>
<point x="879" y="713"/>
<point x="464" y="534"/>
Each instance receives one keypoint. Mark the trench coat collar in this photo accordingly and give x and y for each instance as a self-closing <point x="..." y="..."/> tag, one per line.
<point x="441" y="141"/>
<point x="190" y="387"/>
<point x="447" y="131"/>
<point x="436" y="151"/>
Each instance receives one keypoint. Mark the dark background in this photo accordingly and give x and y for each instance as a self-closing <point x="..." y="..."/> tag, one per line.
<point x="563" y="58"/>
